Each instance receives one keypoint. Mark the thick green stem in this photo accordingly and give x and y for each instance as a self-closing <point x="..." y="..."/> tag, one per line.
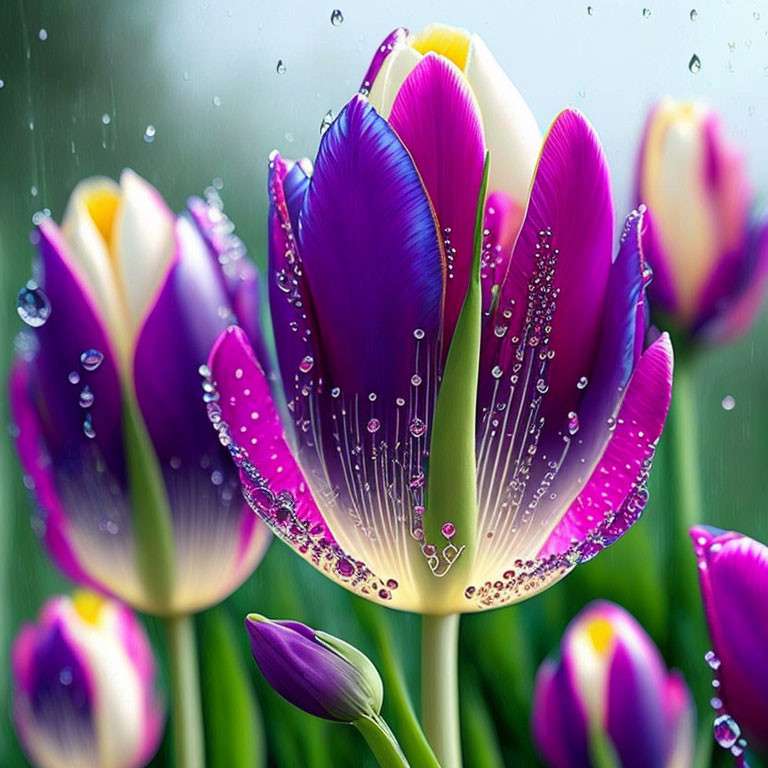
<point x="688" y="640"/>
<point x="440" y="687"/>
<point x="382" y="742"/>
<point x="187" y="716"/>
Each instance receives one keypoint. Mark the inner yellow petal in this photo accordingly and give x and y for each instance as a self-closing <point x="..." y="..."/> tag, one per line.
<point x="600" y="632"/>
<point x="451" y="42"/>
<point x="88" y="605"/>
<point x="102" y="206"/>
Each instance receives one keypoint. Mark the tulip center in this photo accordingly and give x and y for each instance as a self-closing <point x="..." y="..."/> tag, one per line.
<point x="88" y="605"/>
<point x="600" y="632"/>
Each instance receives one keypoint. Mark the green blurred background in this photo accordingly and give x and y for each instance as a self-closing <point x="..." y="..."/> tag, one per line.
<point x="80" y="81"/>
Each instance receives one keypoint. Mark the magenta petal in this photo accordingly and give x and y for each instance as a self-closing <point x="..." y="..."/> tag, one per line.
<point x="733" y="575"/>
<point x="370" y="250"/>
<point x="617" y="485"/>
<point x="437" y="118"/>
<point x="394" y="38"/>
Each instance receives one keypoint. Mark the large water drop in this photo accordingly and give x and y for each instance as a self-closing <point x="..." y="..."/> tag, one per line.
<point x="32" y="305"/>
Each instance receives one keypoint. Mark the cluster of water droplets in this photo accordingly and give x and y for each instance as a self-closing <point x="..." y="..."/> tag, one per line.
<point x="90" y="360"/>
<point x="725" y="729"/>
<point x="309" y="538"/>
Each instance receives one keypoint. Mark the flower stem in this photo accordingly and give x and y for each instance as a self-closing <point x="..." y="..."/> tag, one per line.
<point x="185" y="685"/>
<point x="440" y="687"/>
<point x="382" y="742"/>
<point x="687" y="637"/>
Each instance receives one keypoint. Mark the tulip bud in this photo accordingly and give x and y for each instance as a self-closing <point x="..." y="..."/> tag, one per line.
<point x="85" y="686"/>
<point x="710" y="258"/>
<point x="611" y="690"/>
<point x="316" y="672"/>
<point x="733" y="575"/>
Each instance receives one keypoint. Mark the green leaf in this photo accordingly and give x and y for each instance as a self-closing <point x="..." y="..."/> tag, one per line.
<point x="234" y="735"/>
<point x="150" y="509"/>
<point x="451" y="479"/>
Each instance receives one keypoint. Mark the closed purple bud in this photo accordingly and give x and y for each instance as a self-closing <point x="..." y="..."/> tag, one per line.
<point x="733" y="575"/>
<point x="611" y="685"/>
<point x="316" y="672"/>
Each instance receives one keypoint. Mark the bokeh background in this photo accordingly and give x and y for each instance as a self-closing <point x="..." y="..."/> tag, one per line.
<point x="82" y="80"/>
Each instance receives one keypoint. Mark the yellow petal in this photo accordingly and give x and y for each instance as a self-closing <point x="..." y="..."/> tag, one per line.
<point x="451" y="42"/>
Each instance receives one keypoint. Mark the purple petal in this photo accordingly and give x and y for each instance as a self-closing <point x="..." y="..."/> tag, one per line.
<point x="438" y="120"/>
<point x="393" y="39"/>
<point x="616" y="486"/>
<point x="661" y="290"/>
<point x="681" y="719"/>
<point x="558" y="720"/>
<point x="733" y="574"/>
<point x="369" y="245"/>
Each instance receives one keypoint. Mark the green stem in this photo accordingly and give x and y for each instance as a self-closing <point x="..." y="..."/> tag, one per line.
<point x="440" y="687"/>
<point x="185" y="686"/>
<point x="687" y="640"/>
<point x="397" y="697"/>
<point x="382" y="742"/>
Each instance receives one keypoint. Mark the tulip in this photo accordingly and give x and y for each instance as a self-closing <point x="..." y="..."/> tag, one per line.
<point x="709" y="253"/>
<point x="449" y="450"/>
<point x="85" y="686"/>
<point x="137" y="498"/>
<point x="610" y="687"/>
<point x="316" y="672"/>
<point x="325" y="677"/>
<point x="733" y="576"/>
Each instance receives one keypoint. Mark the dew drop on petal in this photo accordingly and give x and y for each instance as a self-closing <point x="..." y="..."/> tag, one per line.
<point x="32" y="305"/>
<point x="91" y="359"/>
<point x="86" y="397"/>
<point x="417" y="427"/>
<point x="573" y="422"/>
<point x="416" y="380"/>
<point x="418" y="334"/>
<point x="726" y="731"/>
<point x="74" y="377"/>
<point x="582" y="383"/>
<point x="305" y="366"/>
<point x="88" y="429"/>
<point x="374" y="425"/>
<point x="496" y="372"/>
<point x="326" y="122"/>
<point x="711" y="658"/>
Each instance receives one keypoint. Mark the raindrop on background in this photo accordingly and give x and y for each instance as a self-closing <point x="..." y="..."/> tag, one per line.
<point x="32" y="305"/>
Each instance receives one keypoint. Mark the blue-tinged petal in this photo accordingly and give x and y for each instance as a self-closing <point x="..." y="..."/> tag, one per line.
<point x="370" y="249"/>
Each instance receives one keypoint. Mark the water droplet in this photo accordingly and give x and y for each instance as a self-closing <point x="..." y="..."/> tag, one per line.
<point x="217" y="478"/>
<point x="2" y="83"/>
<point x="149" y="134"/>
<point x="726" y="731"/>
<point x="573" y="422"/>
<point x="582" y="382"/>
<point x="646" y="13"/>
<point x="728" y="403"/>
<point x="374" y="425"/>
<point x="32" y="305"/>
<point x="337" y="17"/>
<point x="711" y="658"/>
<point x="74" y="377"/>
<point x="335" y="392"/>
<point x="448" y="530"/>
<point x="86" y="397"/>
<point x="65" y="676"/>
<point x="43" y="34"/>
<point x="216" y="100"/>
<point x="590" y="10"/>
<point x="496" y="372"/>
<point x="88" y="429"/>
<point x="418" y="334"/>
<point x="542" y="387"/>
<point x="280" y="68"/>
<point x="305" y="366"/>
<point x="417" y="427"/>
<point x="326" y="122"/>
<point x="106" y="119"/>
<point x="91" y="359"/>
<point x="694" y="64"/>
<point x="416" y="380"/>
<point x="756" y="15"/>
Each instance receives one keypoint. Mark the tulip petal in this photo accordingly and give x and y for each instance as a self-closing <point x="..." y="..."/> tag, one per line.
<point x="396" y="67"/>
<point x="615" y="492"/>
<point x="512" y="135"/>
<point x="217" y="540"/>
<point x="559" y="725"/>
<point x="367" y="233"/>
<point x="142" y="244"/>
<point x="437" y="119"/>
<point x="245" y="416"/>
<point x="682" y="723"/>
<point x="733" y="575"/>
<point x="394" y="39"/>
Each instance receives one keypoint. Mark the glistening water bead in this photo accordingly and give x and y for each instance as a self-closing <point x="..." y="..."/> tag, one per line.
<point x="32" y="305"/>
<point x="91" y="359"/>
<point x="337" y="17"/>
<point x="694" y="64"/>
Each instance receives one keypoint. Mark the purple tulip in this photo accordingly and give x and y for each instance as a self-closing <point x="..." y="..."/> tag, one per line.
<point x="314" y="671"/>
<point x="709" y="254"/>
<point x="733" y="574"/>
<point x="136" y="296"/>
<point x="84" y="690"/>
<point x="551" y="407"/>
<point x="611" y="684"/>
